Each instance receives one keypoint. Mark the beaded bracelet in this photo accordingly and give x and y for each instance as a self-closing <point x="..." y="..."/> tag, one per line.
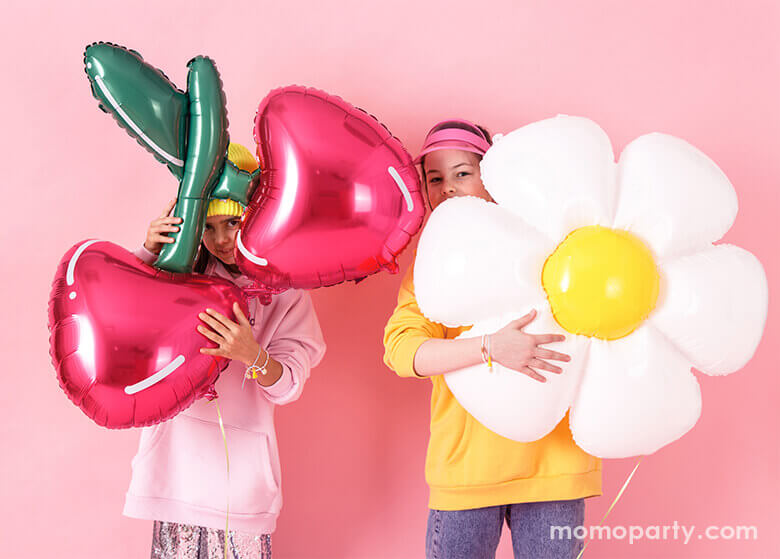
<point x="486" y="356"/>
<point x="251" y="371"/>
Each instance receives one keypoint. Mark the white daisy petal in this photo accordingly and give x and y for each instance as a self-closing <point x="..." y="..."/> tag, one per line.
<point x="713" y="306"/>
<point x="511" y="403"/>
<point x="475" y="257"/>
<point x="557" y="174"/>
<point x="637" y="395"/>
<point x="672" y="195"/>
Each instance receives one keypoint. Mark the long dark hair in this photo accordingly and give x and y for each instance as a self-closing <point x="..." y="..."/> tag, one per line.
<point x="201" y="260"/>
<point x="204" y="257"/>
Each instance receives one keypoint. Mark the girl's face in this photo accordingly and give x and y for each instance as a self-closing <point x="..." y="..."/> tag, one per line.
<point x="450" y="173"/>
<point x="220" y="236"/>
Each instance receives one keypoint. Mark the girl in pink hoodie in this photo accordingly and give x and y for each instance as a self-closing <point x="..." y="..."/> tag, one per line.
<point x="179" y="477"/>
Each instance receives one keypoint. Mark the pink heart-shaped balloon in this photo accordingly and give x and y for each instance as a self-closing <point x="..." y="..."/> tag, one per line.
<point x="339" y="196"/>
<point x="123" y="337"/>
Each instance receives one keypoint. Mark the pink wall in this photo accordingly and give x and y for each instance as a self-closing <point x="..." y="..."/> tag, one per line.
<point x="353" y="447"/>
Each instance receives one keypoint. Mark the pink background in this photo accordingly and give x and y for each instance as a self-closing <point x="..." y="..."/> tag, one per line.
<point x="353" y="446"/>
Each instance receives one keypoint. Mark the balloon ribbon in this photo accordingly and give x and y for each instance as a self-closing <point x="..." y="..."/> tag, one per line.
<point x="617" y="498"/>
<point x="227" y="462"/>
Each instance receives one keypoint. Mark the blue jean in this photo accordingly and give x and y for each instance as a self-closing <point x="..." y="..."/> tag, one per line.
<point x="474" y="533"/>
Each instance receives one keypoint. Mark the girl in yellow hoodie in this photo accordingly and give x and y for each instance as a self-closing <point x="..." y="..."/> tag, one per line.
<point x="478" y="479"/>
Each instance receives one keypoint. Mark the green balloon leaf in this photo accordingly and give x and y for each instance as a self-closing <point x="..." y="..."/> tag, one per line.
<point x="141" y="99"/>
<point x="185" y="131"/>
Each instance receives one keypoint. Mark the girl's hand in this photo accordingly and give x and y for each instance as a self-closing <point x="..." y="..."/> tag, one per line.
<point x="156" y="234"/>
<point x="235" y="340"/>
<point x="517" y="350"/>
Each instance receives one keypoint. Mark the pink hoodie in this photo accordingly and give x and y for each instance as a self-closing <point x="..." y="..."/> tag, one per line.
<point x="179" y="473"/>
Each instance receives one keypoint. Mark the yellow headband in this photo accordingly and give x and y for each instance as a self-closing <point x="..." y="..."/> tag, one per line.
<point x="225" y="207"/>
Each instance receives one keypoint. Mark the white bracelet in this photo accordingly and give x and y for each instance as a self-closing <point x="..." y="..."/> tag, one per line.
<point x="490" y="354"/>
<point x="251" y="371"/>
<point x="487" y="358"/>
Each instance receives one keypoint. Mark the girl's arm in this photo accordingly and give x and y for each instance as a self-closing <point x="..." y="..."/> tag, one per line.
<point x="156" y="235"/>
<point x="143" y="253"/>
<point x="237" y="342"/>
<point x="297" y="344"/>
<point x="436" y="357"/>
<point x="510" y="346"/>
<point x="407" y="330"/>
<point x="416" y="346"/>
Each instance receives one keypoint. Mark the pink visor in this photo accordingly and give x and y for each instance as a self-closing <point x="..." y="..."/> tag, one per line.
<point x="454" y="138"/>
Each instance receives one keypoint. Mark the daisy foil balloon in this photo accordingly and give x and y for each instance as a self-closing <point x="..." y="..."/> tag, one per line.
<point x="619" y="258"/>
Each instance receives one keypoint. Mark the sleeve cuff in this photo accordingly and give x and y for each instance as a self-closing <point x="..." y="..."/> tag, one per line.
<point x="282" y="385"/>
<point x="145" y="255"/>
<point x="408" y="348"/>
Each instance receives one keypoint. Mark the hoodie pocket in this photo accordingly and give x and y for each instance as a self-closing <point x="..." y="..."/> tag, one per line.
<point x="150" y="436"/>
<point x="184" y="460"/>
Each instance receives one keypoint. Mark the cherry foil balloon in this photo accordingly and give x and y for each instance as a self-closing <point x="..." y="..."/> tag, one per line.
<point x="339" y="197"/>
<point x="123" y="338"/>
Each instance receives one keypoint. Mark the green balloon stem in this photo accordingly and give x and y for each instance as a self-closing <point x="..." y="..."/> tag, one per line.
<point x="207" y="142"/>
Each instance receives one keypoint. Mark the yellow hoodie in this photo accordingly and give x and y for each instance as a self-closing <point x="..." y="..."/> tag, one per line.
<point x="468" y="466"/>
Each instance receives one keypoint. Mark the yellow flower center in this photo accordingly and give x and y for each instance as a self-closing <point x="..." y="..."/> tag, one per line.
<point x="601" y="282"/>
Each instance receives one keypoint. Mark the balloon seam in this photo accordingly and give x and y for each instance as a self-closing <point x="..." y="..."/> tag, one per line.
<point x="167" y="156"/>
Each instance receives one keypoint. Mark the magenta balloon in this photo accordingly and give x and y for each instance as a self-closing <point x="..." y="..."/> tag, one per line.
<point x="122" y="335"/>
<point x="339" y="197"/>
